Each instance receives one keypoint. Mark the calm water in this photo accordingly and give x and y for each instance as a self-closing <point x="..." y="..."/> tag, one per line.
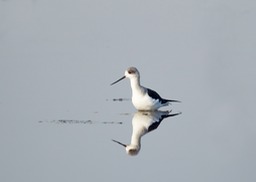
<point x="59" y="113"/>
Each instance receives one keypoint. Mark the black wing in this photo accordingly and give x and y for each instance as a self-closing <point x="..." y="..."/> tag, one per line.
<point x="154" y="126"/>
<point x="156" y="96"/>
<point x="158" y="122"/>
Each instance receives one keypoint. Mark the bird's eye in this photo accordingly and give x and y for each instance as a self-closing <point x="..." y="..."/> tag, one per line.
<point x="131" y="71"/>
<point x="133" y="152"/>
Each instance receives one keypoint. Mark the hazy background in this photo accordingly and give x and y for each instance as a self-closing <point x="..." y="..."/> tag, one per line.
<point x="58" y="57"/>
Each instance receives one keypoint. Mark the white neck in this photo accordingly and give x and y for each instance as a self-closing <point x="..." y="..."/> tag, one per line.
<point x="137" y="133"/>
<point x="135" y="84"/>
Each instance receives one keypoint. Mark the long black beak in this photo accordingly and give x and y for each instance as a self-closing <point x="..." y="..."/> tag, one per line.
<point x="119" y="143"/>
<point x="118" y="80"/>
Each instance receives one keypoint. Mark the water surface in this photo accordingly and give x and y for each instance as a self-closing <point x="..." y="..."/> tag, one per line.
<point x="59" y="113"/>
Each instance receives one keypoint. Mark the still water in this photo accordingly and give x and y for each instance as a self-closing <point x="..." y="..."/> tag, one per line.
<point x="142" y="123"/>
<point x="62" y="121"/>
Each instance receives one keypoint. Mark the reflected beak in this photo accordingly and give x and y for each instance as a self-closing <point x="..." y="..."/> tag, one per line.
<point x="118" y="80"/>
<point x="119" y="143"/>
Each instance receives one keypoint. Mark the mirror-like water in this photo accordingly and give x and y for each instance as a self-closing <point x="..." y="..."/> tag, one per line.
<point x="59" y="113"/>
<point x="143" y="122"/>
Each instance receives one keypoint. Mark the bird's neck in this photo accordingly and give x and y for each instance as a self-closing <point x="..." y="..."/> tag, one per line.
<point x="136" y="138"/>
<point x="137" y="133"/>
<point x="135" y="84"/>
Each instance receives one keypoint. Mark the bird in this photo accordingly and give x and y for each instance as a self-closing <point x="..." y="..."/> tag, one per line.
<point x="143" y="99"/>
<point x="144" y="122"/>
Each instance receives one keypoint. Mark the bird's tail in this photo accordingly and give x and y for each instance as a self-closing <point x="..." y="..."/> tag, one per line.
<point x="171" y="115"/>
<point x="171" y="100"/>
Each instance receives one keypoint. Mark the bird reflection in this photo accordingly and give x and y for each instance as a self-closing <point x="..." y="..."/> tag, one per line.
<point x="142" y="123"/>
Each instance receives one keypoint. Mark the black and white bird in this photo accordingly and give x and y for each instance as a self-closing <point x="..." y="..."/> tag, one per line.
<point x="144" y="122"/>
<point x="143" y="99"/>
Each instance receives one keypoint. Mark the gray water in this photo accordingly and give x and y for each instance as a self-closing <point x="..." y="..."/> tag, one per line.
<point x="58" y="116"/>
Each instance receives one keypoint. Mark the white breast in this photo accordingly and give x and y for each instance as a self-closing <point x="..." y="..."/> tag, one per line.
<point x="144" y="102"/>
